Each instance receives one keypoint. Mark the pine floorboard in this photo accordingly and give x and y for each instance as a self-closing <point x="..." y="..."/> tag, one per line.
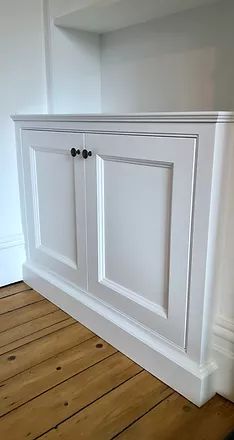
<point x="59" y="381"/>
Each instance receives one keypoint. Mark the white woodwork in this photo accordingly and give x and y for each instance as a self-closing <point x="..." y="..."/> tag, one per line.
<point x="128" y="119"/>
<point x="109" y="15"/>
<point x="55" y="202"/>
<point x="134" y="222"/>
<point x="223" y="329"/>
<point x="157" y="356"/>
<point x="127" y="240"/>
<point x="139" y="240"/>
<point x="12" y="255"/>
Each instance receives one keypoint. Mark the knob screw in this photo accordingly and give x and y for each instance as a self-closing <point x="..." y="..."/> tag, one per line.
<point x="86" y="153"/>
<point x="74" y="152"/>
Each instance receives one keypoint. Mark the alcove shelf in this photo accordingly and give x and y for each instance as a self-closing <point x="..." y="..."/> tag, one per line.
<point x="103" y="16"/>
<point x="130" y="56"/>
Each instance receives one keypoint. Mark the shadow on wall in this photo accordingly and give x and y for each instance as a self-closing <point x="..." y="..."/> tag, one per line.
<point x="185" y="62"/>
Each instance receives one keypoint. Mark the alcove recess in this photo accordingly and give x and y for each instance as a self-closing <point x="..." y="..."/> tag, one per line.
<point x="120" y="56"/>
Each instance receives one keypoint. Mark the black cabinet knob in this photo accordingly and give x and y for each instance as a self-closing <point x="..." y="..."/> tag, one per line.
<point x="86" y="153"/>
<point x="74" y="152"/>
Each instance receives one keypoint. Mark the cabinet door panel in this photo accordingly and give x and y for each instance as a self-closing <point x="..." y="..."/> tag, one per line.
<point x="139" y="202"/>
<point x="134" y="232"/>
<point x="55" y="203"/>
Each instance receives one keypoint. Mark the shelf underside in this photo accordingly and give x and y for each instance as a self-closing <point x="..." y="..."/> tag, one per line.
<point x="103" y="16"/>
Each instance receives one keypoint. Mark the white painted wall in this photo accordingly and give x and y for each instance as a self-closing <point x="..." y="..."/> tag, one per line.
<point x="182" y="62"/>
<point x="74" y="73"/>
<point x="22" y="90"/>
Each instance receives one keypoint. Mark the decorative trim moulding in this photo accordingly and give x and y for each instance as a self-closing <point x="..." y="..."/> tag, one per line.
<point x="12" y="255"/>
<point x="59" y="257"/>
<point x="224" y="328"/>
<point x="202" y="117"/>
<point x="11" y="241"/>
<point x="161" y="358"/>
<point x="133" y="296"/>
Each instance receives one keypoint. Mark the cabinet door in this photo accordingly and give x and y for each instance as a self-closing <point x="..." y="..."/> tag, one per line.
<point x="139" y="210"/>
<point x="55" y="203"/>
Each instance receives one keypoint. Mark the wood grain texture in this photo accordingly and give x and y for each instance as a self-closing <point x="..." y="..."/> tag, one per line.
<point x="58" y="381"/>
<point x="37" y="351"/>
<point x="40" y="378"/>
<point x="12" y="289"/>
<point x="66" y="399"/>
<point x="176" y="418"/>
<point x="20" y="300"/>
<point x="36" y="335"/>
<point x="28" y="328"/>
<point x="33" y="311"/>
<point x="114" y="411"/>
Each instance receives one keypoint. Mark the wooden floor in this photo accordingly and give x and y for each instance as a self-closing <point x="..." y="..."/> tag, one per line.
<point x="60" y="381"/>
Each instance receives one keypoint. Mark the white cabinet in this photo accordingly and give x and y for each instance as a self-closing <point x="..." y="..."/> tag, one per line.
<point x="125" y="239"/>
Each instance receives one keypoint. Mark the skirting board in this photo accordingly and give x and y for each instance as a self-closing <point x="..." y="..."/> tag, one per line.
<point x="223" y="353"/>
<point x="12" y="255"/>
<point x="163" y="361"/>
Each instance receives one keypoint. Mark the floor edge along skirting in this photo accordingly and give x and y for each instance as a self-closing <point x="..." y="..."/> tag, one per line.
<point x="63" y="381"/>
<point x="169" y="366"/>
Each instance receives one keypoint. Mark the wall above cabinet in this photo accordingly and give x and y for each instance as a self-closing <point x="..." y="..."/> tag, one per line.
<point x="103" y="16"/>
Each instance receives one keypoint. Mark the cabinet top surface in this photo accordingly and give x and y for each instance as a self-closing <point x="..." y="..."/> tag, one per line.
<point x="131" y="117"/>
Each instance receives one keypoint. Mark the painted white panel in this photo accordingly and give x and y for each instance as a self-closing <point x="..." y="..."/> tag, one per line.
<point x="131" y="182"/>
<point x="225" y="275"/>
<point x="223" y="336"/>
<point x="56" y="202"/>
<point x="12" y="254"/>
<point x="137" y="205"/>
